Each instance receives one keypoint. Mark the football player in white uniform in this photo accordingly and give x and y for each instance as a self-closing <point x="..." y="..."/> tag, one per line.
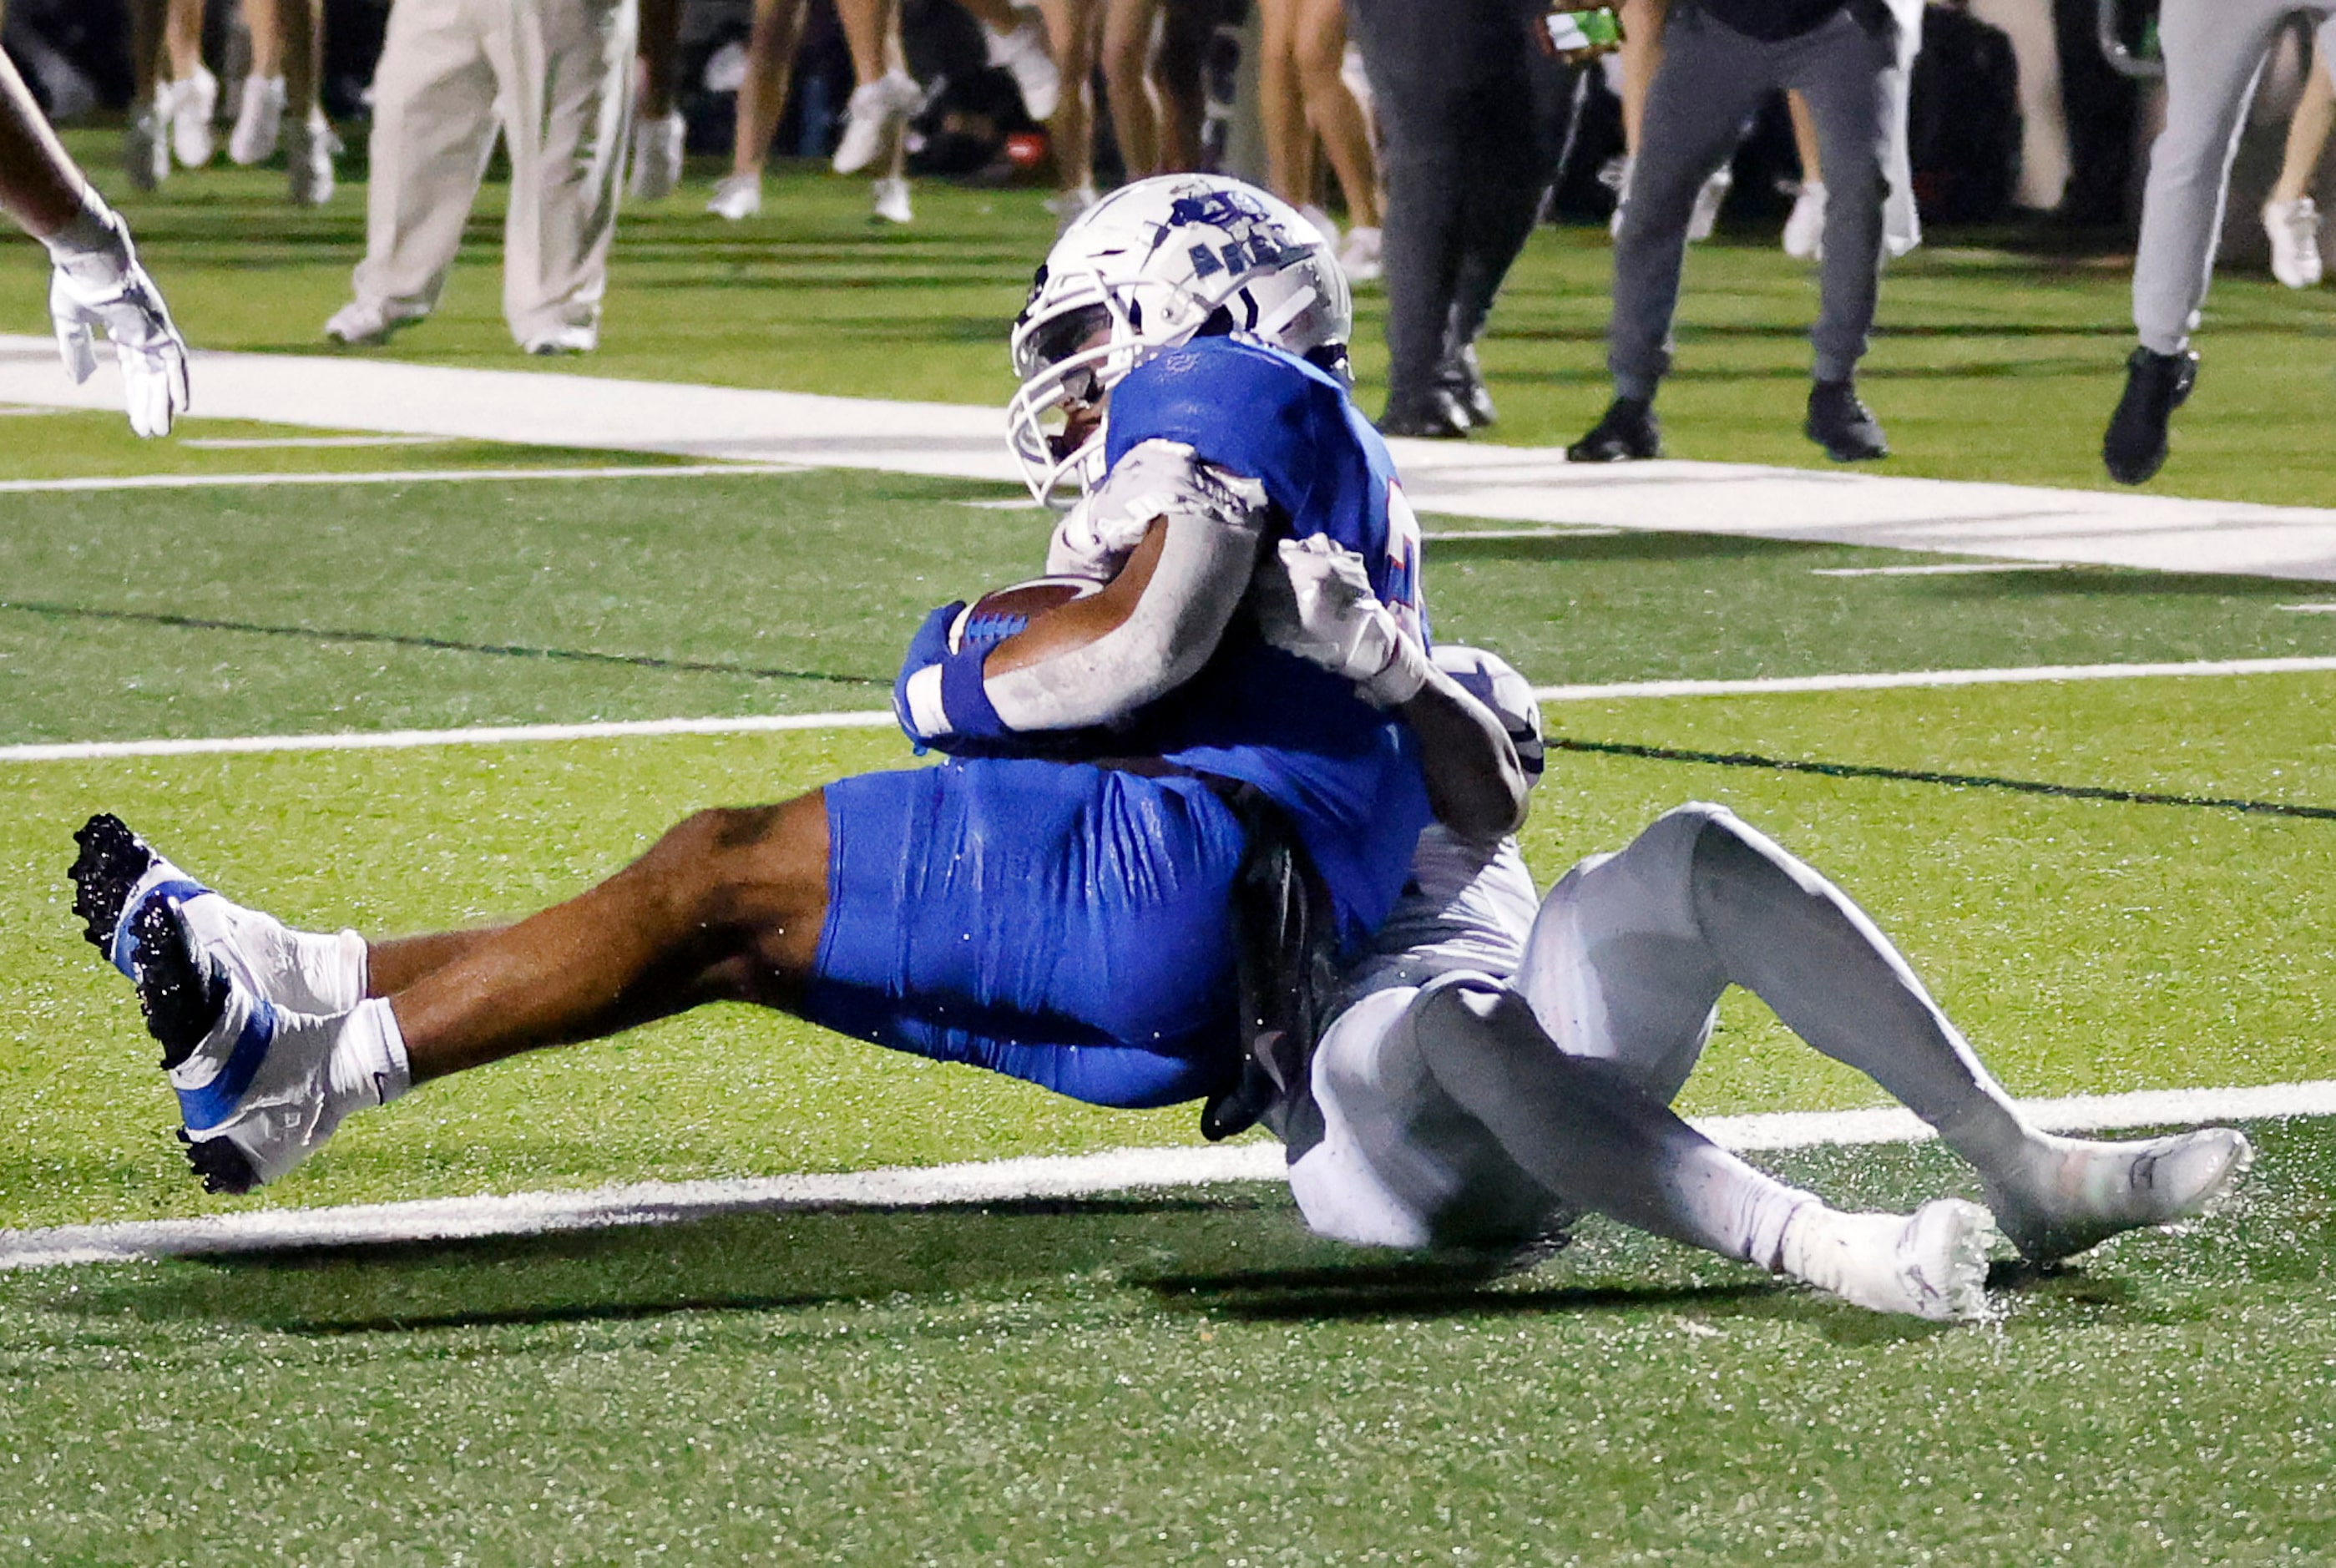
<point x="1497" y="1063"/>
<point x="98" y="282"/>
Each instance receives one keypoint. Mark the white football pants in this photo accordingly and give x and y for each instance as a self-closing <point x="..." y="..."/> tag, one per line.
<point x="2215" y="52"/>
<point x="555" y="77"/>
<point x="1467" y="1113"/>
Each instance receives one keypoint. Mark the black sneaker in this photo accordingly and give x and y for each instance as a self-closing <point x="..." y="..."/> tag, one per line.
<point x="1842" y="425"/>
<point x="1432" y="415"/>
<point x="1462" y="379"/>
<point x="2156" y="384"/>
<point x="1627" y="433"/>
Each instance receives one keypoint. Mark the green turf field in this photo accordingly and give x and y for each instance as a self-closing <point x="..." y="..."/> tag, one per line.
<point x="1147" y="1379"/>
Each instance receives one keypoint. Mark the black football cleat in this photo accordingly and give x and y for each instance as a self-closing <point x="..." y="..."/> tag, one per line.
<point x="1432" y="415"/>
<point x="112" y="861"/>
<point x="1844" y="425"/>
<point x="1462" y="379"/>
<point x="2156" y="384"/>
<point x="1627" y="433"/>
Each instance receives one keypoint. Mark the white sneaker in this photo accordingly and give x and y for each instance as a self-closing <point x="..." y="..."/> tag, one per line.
<point x="573" y="337"/>
<point x="872" y="117"/>
<point x="116" y="874"/>
<point x="1614" y="174"/>
<point x="2293" y="227"/>
<point x="736" y="197"/>
<point x="1069" y="206"/>
<point x="310" y="149"/>
<point x="1804" y="227"/>
<point x="1931" y="1264"/>
<point x="656" y="157"/>
<point x="1359" y="258"/>
<point x="891" y="205"/>
<point x="146" y="147"/>
<point x="1023" y="54"/>
<point x="2080" y="1192"/>
<point x="192" y="104"/>
<point x="1324" y="224"/>
<point x="362" y="323"/>
<point x="1706" y="215"/>
<point x="258" y="122"/>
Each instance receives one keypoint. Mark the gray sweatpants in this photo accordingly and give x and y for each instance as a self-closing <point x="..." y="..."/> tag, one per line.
<point x="556" y="76"/>
<point x="1711" y="78"/>
<point x="2215" y="52"/>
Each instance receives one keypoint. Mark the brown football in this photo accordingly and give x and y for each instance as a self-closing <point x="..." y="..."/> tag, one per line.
<point x="995" y="617"/>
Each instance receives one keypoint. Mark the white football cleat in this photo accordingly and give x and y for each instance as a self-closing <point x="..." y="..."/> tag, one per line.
<point x="571" y="337"/>
<point x="874" y="117"/>
<point x="363" y="323"/>
<point x="258" y="122"/>
<point x="1931" y="1264"/>
<point x="310" y="149"/>
<point x="192" y="104"/>
<point x="146" y="147"/>
<point x="1708" y="201"/>
<point x="736" y="197"/>
<point x="2078" y="1193"/>
<point x="2294" y="230"/>
<point x="1359" y="258"/>
<point x="1805" y="226"/>
<point x="892" y="201"/>
<point x="1023" y="54"/>
<point x="656" y="157"/>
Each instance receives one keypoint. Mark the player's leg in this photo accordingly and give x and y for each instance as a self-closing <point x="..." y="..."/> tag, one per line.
<point x="1127" y="27"/>
<point x="1847" y="69"/>
<point x="1450" y="1118"/>
<point x="434" y="126"/>
<point x="1523" y="125"/>
<point x="565" y="68"/>
<point x="771" y="45"/>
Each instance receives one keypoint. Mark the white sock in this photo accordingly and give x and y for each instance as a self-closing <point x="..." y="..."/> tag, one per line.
<point x="368" y="1065"/>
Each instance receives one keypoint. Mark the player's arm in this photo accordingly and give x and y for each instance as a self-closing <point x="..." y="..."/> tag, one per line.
<point x="98" y="281"/>
<point x="1315" y="601"/>
<point x="1190" y="537"/>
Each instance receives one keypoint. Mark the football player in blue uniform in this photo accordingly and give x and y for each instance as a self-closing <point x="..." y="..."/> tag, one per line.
<point x="1055" y="901"/>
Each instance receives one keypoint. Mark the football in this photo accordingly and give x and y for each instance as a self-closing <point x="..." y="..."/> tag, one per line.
<point x="996" y="616"/>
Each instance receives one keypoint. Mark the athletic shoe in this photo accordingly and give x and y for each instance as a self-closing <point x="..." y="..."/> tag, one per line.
<point x="1805" y="226"/>
<point x="2082" y="1192"/>
<point x="656" y="157"/>
<point x="146" y="147"/>
<point x="310" y="151"/>
<point x="362" y="324"/>
<point x="2294" y="230"/>
<point x="1431" y="416"/>
<point x="1844" y="425"/>
<point x="892" y="201"/>
<point x="736" y="197"/>
<point x="1627" y="432"/>
<point x="2156" y="384"/>
<point x="258" y="122"/>
<point x="1705" y="216"/>
<point x="192" y="104"/>
<point x="1931" y="1264"/>
<point x="1359" y="258"/>
<point x="1023" y="54"/>
<point x="253" y="1080"/>
<point x="1067" y="205"/>
<point x="1614" y="174"/>
<point x="1462" y="379"/>
<point x="117" y="874"/>
<point x="574" y="338"/>
<point x="872" y="117"/>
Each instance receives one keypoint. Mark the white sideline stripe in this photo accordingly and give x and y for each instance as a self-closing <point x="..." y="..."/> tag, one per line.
<point x="1957" y="568"/>
<point x="270" y="442"/>
<point x="1000" y="1181"/>
<point x="393" y="476"/>
<point x="879" y="719"/>
<point x="1559" y="533"/>
<point x="2311" y="609"/>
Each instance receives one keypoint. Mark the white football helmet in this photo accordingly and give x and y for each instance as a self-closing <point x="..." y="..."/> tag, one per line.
<point x="1152" y="264"/>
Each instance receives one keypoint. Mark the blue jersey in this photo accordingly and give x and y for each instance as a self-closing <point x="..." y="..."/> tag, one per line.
<point x="1347" y="773"/>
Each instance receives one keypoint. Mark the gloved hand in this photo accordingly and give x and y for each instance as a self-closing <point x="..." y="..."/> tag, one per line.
<point x="99" y="283"/>
<point x="930" y="647"/>
<point x="1315" y="601"/>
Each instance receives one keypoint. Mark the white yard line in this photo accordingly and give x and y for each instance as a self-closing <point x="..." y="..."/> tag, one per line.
<point x="273" y="443"/>
<point x="392" y="476"/>
<point x="1956" y="568"/>
<point x="1000" y="1181"/>
<point x="879" y="719"/>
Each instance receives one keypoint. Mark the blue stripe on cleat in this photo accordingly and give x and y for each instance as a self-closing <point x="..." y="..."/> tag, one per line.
<point x="124" y="952"/>
<point x="216" y="1101"/>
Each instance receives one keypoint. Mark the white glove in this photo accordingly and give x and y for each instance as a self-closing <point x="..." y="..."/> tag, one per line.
<point x="1316" y="602"/>
<point x="1150" y="480"/>
<point x="99" y="283"/>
